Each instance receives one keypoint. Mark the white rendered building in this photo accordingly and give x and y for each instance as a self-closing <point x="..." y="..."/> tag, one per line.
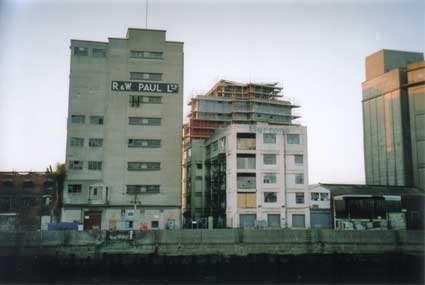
<point x="266" y="175"/>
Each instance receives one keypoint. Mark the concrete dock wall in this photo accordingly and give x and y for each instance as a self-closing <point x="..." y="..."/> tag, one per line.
<point x="237" y="242"/>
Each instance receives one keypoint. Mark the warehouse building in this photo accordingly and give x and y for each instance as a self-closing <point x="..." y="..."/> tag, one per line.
<point x="394" y="118"/>
<point x="245" y="159"/>
<point x="367" y="207"/>
<point x="124" y="119"/>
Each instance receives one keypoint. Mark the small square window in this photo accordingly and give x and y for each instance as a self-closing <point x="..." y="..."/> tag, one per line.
<point x="96" y="120"/>
<point x="78" y="119"/>
<point x="299" y="159"/>
<point x="270" y="197"/>
<point x="299" y="178"/>
<point x="269" y="138"/>
<point x="299" y="198"/>
<point x="314" y="196"/>
<point x="98" y="52"/>
<point x="269" y="178"/>
<point x="154" y="224"/>
<point x="269" y="159"/>
<point x="293" y="139"/>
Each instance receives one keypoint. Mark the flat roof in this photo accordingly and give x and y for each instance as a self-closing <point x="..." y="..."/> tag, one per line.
<point x="375" y="190"/>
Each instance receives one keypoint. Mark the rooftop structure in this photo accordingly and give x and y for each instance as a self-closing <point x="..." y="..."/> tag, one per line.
<point x="232" y="102"/>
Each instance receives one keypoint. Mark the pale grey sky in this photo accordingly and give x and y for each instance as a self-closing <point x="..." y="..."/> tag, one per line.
<point x="314" y="49"/>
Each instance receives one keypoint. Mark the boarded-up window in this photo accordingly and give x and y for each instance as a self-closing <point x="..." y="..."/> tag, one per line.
<point x="247" y="200"/>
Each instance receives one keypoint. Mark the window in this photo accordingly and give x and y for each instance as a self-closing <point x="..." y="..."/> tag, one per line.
<point x="246" y="181"/>
<point x="95" y="165"/>
<point x="28" y="184"/>
<point x="269" y="159"/>
<point x="143" y="166"/>
<point x="269" y="138"/>
<point x="78" y="119"/>
<point x="8" y="184"/>
<point x="314" y="196"/>
<point x="299" y="159"/>
<point x="76" y="164"/>
<point x="136" y="100"/>
<point x="96" y="120"/>
<point x="299" y="198"/>
<point x="324" y="196"/>
<point x="199" y="165"/>
<point x="95" y="142"/>
<point x="246" y="141"/>
<point x="246" y="161"/>
<point x="270" y="197"/>
<point x="138" y="189"/>
<point x="144" y="143"/>
<point x="299" y="178"/>
<point x="269" y="178"/>
<point x="154" y="224"/>
<point x="28" y="201"/>
<point x="99" y="52"/>
<point x="198" y="178"/>
<point x="81" y="51"/>
<point x="77" y="141"/>
<point x="247" y="200"/>
<point x="74" y="188"/>
<point x="293" y="139"/>
<point x="145" y="76"/>
<point x="144" y="121"/>
<point x="146" y="54"/>
<point x="48" y="185"/>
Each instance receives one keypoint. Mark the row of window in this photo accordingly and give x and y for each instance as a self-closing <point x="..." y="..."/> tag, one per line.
<point x="247" y="161"/>
<point x="271" y="197"/>
<point x="146" y="54"/>
<point x="145" y="76"/>
<point x="27" y="185"/>
<point x="98" y="120"/>
<point x="137" y="100"/>
<point x="249" y="200"/>
<point x="290" y="138"/>
<point x="248" y="180"/>
<point x="315" y="196"/>
<point x="101" y="52"/>
<point x="84" y="51"/>
<point x="138" y="189"/>
<point x="131" y="166"/>
<point x="270" y="178"/>
<point x="96" y="142"/>
<point x="81" y="119"/>
<point x="131" y="189"/>
<point x="79" y="165"/>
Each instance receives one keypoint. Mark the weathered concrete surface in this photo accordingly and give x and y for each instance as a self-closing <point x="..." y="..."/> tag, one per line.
<point x="226" y="242"/>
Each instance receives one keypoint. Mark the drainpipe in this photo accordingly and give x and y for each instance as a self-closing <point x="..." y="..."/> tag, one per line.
<point x="284" y="181"/>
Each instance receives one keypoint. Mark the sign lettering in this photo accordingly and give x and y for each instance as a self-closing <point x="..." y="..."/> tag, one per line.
<point x="144" y="87"/>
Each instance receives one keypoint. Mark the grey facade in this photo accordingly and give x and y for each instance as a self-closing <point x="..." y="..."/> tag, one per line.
<point x="124" y="121"/>
<point x="386" y="119"/>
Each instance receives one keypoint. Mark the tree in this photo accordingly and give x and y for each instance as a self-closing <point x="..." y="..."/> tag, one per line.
<point x="60" y="175"/>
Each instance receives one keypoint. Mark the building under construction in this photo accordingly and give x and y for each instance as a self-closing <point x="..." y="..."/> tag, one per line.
<point x="231" y="102"/>
<point x="208" y="142"/>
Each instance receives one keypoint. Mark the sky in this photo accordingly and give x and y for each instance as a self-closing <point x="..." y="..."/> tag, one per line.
<point x="315" y="50"/>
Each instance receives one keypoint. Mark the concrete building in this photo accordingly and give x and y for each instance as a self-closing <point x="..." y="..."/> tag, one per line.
<point x="393" y="119"/>
<point x="124" y="124"/>
<point x="245" y="159"/>
<point x="27" y="200"/>
<point x="416" y="96"/>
